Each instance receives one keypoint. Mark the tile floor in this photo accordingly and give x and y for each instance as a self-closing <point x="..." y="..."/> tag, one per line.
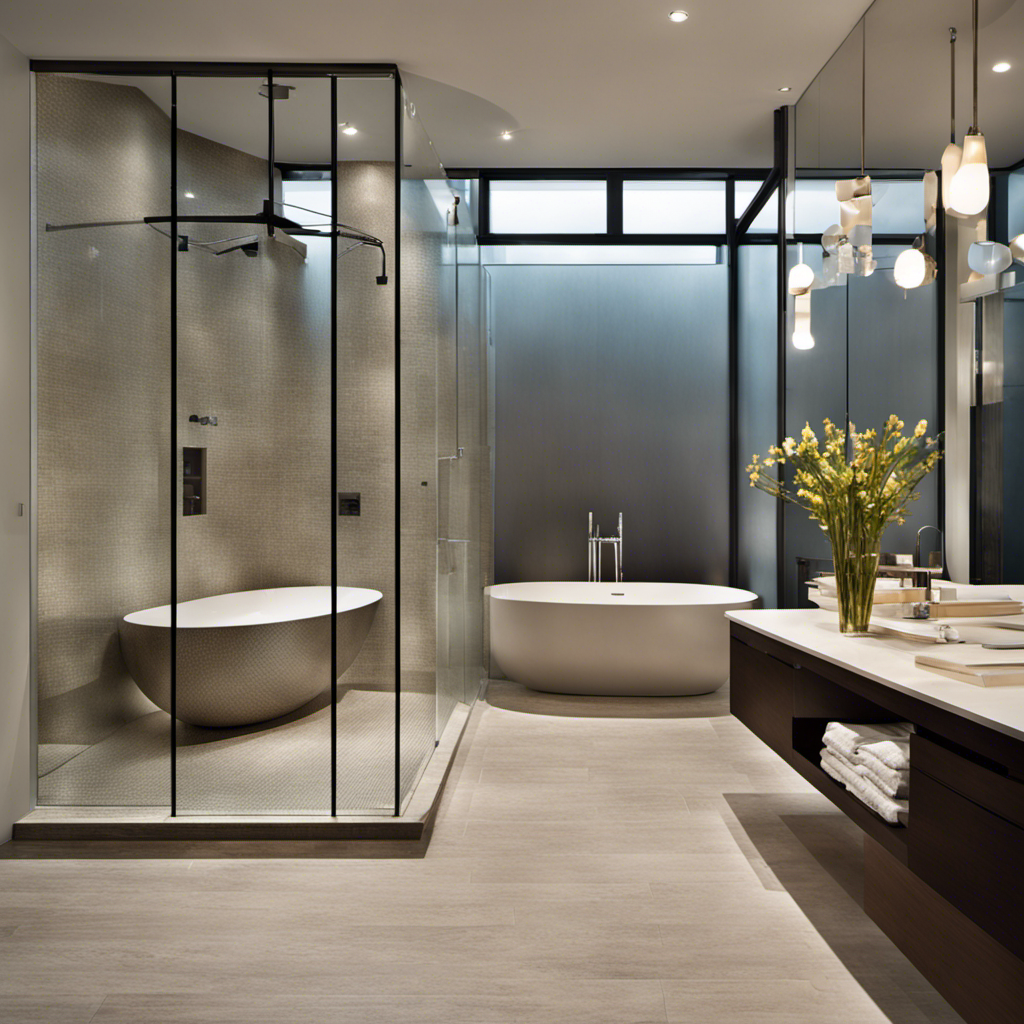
<point x="590" y="863"/>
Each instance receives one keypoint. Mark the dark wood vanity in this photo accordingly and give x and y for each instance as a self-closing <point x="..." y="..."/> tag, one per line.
<point x="947" y="885"/>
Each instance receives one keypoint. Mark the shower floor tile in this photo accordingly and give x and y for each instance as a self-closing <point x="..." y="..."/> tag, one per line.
<point x="281" y="768"/>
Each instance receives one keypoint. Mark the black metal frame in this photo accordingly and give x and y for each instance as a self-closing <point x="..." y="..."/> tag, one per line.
<point x="173" y="70"/>
<point x="614" y="179"/>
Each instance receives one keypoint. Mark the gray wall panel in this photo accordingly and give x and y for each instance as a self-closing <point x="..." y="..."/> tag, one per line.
<point x="611" y="395"/>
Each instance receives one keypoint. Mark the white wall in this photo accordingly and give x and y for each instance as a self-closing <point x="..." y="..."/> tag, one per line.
<point x="15" y="753"/>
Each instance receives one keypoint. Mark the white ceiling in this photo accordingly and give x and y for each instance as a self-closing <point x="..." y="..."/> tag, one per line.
<point x="603" y="83"/>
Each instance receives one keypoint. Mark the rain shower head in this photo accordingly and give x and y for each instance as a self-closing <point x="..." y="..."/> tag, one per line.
<point x="277" y="92"/>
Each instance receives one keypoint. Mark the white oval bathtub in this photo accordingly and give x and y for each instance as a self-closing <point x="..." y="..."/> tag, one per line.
<point x="636" y="639"/>
<point x="246" y="657"/>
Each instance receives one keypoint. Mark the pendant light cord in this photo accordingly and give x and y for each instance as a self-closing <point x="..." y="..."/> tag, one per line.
<point x="952" y="85"/>
<point x="975" y="32"/>
<point x="864" y="82"/>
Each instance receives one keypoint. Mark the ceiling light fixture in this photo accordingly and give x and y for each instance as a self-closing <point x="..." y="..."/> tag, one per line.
<point x="968" y="192"/>
<point x="1001" y="67"/>
<point x="677" y="16"/>
<point x="190" y="195"/>
<point x="506" y="135"/>
<point x="348" y="129"/>
<point x="785" y="88"/>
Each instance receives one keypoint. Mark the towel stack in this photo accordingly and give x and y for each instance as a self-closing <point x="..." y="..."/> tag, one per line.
<point x="872" y="762"/>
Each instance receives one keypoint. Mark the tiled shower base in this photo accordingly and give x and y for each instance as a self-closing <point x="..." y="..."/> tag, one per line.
<point x="244" y="782"/>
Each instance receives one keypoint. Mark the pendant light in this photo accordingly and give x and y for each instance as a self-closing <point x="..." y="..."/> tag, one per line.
<point x="801" y="281"/>
<point x="952" y="154"/>
<point x="915" y="267"/>
<point x="989" y="257"/>
<point x="968" y="191"/>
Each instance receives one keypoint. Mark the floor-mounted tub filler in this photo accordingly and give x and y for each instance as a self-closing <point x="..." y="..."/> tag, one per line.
<point x="615" y="639"/>
<point x="246" y="657"/>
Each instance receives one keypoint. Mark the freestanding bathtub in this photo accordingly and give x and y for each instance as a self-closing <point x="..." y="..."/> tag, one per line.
<point x="637" y="639"/>
<point x="246" y="657"/>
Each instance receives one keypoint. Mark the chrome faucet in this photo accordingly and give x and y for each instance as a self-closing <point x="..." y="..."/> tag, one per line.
<point x="923" y="578"/>
<point x="594" y="549"/>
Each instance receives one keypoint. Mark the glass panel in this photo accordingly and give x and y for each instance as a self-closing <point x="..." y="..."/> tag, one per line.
<point x="673" y="207"/>
<point x="858" y="325"/>
<point x="596" y="364"/>
<point x="253" y="408"/>
<point x="366" y="464"/>
<point x="104" y="413"/>
<point x="427" y="383"/>
<point x="590" y="255"/>
<point x="898" y="206"/>
<point x="548" y="207"/>
<point x="767" y="219"/>
<point x="1013" y="429"/>
<point x="757" y="411"/>
<point x="471" y="500"/>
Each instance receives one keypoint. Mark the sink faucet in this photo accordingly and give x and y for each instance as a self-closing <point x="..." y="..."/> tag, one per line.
<point x="923" y="578"/>
<point x="594" y="542"/>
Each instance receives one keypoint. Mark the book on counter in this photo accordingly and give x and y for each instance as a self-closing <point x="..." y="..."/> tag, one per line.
<point x="976" y="665"/>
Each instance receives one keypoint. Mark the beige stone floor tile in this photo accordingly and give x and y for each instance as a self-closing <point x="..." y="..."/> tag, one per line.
<point x="592" y="1002"/>
<point x="44" y="1008"/>
<point x="593" y="867"/>
<point x="623" y="867"/>
<point x="781" y="1001"/>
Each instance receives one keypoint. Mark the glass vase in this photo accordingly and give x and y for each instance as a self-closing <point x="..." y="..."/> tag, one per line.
<point x="856" y="571"/>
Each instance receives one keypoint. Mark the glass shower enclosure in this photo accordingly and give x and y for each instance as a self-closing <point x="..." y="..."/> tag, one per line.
<point x="258" y="523"/>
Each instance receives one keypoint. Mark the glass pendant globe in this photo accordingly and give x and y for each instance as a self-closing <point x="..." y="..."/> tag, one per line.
<point x="989" y="257"/>
<point x="913" y="268"/>
<point x="968" y="191"/>
<point x="801" y="279"/>
<point x="1017" y="248"/>
<point x="951" y="157"/>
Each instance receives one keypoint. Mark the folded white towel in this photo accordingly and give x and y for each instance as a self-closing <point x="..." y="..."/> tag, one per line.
<point x="894" y="754"/>
<point x="866" y="792"/>
<point x="889" y="780"/>
<point x="847" y="738"/>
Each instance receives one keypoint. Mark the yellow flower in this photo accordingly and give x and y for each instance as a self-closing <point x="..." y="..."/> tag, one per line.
<point x="921" y="427"/>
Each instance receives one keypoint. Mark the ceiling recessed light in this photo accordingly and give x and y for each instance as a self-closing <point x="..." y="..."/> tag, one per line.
<point x="677" y="16"/>
<point x="1001" y="67"/>
<point x="506" y="136"/>
<point x="190" y="195"/>
<point x="785" y="88"/>
<point x="348" y="129"/>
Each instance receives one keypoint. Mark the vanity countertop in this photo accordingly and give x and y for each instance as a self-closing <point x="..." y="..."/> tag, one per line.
<point x="889" y="660"/>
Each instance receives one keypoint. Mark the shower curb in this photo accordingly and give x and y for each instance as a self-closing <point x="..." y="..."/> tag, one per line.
<point x="119" y="824"/>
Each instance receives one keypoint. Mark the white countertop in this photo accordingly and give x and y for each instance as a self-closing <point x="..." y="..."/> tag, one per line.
<point x="889" y="660"/>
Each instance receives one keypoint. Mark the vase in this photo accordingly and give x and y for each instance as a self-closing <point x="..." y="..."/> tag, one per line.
<point x="856" y="570"/>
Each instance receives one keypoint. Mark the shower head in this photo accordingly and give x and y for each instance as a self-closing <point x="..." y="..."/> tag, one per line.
<point x="277" y="92"/>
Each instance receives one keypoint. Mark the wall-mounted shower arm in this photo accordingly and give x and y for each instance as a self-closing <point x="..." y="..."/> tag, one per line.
<point x="266" y="218"/>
